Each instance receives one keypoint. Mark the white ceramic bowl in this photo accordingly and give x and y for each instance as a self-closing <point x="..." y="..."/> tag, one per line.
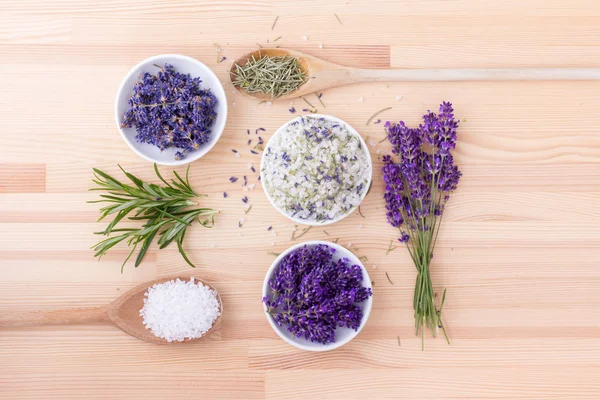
<point x="186" y="65"/>
<point x="307" y="221"/>
<point x="342" y="335"/>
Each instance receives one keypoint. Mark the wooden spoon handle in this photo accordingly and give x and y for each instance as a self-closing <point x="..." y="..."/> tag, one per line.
<point x="477" y="74"/>
<point x="54" y="317"/>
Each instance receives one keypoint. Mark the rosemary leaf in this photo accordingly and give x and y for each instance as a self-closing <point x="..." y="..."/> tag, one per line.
<point x="388" y="278"/>
<point x="377" y="113"/>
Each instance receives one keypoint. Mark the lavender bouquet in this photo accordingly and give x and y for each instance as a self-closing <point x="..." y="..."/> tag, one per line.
<point x="417" y="188"/>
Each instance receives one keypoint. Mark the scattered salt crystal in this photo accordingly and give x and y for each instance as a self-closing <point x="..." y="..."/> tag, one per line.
<point x="349" y="244"/>
<point x="398" y="98"/>
<point x="361" y="99"/>
<point x="372" y="143"/>
<point x="359" y="226"/>
<point x="242" y="220"/>
<point x="176" y="310"/>
<point x="320" y="45"/>
<point x="374" y="266"/>
<point x="249" y="166"/>
<point x="245" y="188"/>
<point x="212" y="245"/>
<point x="378" y="151"/>
<point x="252" y="186"/>
<point x="304" y="37"/>
<point x="269" y="104"/>
<point x="237" y="155"/>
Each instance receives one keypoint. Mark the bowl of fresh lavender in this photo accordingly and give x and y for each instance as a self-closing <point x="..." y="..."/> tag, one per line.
<point x="317" y="296"/>
<point x="171" y="109"/>
<point x="316" y="170"/>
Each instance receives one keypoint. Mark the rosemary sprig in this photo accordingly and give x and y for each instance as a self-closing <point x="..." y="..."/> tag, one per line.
<point x="275" y="22"/>
<point x="164" y="211"/>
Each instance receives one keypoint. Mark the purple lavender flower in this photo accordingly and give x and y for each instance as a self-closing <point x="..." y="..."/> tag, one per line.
<point x="409" y="182"/>
<point x="312" y="295"/>
<point x="171" y="109"/>
<point x="417" y="187"/>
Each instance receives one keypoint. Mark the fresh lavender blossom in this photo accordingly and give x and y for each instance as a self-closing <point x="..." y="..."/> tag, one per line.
<point x="316" y="169"/>
<point x="171" y="109"/>
<point x="312" y="294"/>
<point x="417" y="187"/>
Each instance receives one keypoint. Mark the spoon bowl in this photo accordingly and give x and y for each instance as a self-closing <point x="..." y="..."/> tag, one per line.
<point x="124" y="313"/>
<point x="324" y="74"/>
<point x="319" y="72"/>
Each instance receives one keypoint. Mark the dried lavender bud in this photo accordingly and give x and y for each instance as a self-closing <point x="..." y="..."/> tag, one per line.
<point x="171" y="109"/>
<point x="312" y="295"/>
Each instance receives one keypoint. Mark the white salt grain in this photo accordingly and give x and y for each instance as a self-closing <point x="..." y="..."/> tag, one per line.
<point x="398" y="98"/>
<point x="361" y="99"/>
<point x="320" y="45"/>
<point x="178" y="310"/>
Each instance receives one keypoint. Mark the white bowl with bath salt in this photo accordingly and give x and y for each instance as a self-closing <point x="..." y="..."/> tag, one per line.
<point x="316" y="170"/>
<point x="181" y="310"/>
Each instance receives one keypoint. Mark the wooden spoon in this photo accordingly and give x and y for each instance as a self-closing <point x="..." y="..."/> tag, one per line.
<point x="324" y="74"/>
<point x="124" y="312"/>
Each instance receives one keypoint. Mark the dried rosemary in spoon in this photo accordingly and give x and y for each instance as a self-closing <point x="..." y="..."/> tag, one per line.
<point x="273" y="75"/>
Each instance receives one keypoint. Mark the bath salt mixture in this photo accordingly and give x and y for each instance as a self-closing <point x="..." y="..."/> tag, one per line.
<point x="316" y="169"/>
<point x="178" y="310"/>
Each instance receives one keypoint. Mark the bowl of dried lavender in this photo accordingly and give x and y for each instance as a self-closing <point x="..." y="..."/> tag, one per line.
<point x="316" y="170"/>
<point x="171" y="109"/>
<point x="317" y="296"/>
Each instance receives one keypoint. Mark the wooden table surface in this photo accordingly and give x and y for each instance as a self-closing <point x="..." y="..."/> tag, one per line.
<point x="518" y="251"/>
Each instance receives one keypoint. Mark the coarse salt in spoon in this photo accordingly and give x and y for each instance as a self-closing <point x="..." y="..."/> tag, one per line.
<point x="124" y="313"/>
<point x="324" y="75"/>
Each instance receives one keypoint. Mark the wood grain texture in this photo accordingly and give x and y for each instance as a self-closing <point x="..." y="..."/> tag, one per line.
<point x="518" y="251"/>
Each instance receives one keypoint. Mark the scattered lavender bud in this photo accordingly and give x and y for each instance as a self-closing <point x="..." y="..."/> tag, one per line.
<point x="225" y="195"/>
<point x="292" y="109"/>
<point x="233" y="179"/>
